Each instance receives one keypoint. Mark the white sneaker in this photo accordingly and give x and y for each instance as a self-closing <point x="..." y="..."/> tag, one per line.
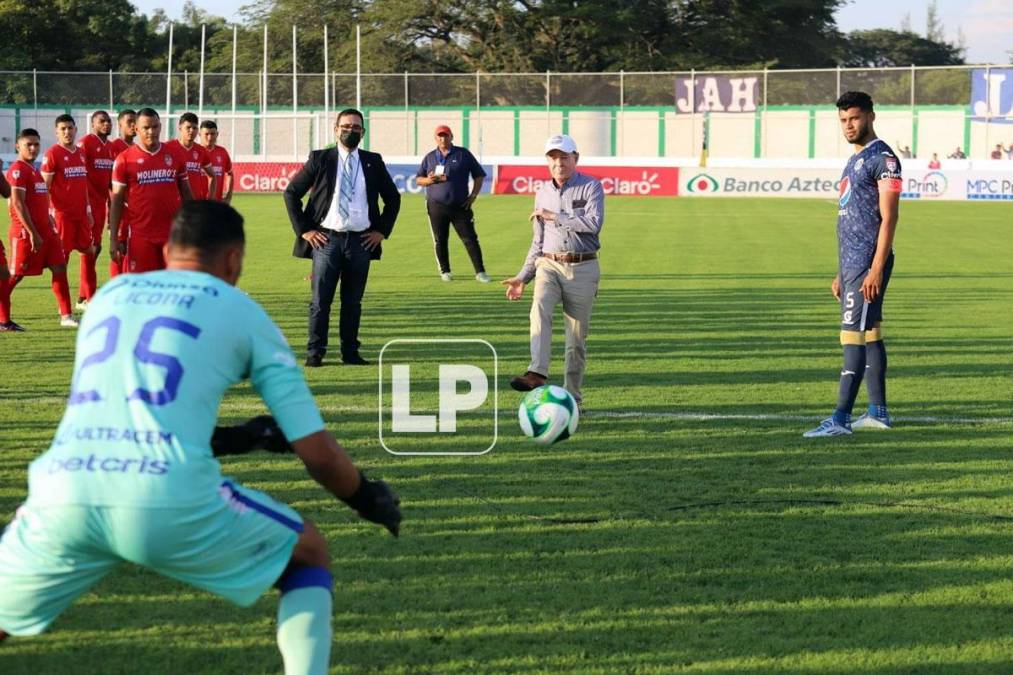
<point x="81" y="305"/>
<point x="483" y="277"/>
<point x="68" y="322"/>
<point x="828" y="427"/>
<point x="867" y="421"/>
<point x="447" y="276"/>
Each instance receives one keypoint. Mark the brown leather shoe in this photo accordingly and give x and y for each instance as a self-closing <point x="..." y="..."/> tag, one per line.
<point x="528" y="381"/>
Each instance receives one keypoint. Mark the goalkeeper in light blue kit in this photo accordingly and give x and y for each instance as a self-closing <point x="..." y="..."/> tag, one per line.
<point x="131" y="475"/>
<point x="866" y="224"/>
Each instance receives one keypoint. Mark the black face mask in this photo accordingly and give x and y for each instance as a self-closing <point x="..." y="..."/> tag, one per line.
<point x="350" y="139"/>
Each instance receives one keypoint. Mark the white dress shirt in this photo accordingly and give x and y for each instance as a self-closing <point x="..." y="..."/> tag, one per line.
<point x="358" y="208"/>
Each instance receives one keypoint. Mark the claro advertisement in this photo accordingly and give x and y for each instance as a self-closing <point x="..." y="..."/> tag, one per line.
<point x="983" y="184"/>
<point x="275" y="176"/>
<point x="617" y="180"/>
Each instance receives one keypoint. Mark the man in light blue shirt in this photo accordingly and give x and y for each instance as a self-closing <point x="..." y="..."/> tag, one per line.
<point x="130" y="475"/>
<point x="563" y="261"/>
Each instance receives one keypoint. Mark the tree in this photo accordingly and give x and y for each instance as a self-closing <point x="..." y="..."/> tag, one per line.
<point x="933" y="25"/>
<point x="782" y="33"/>
<point x="77" y="34"/>
<point x="882" y="47"/>
<point x="528" y="35"/>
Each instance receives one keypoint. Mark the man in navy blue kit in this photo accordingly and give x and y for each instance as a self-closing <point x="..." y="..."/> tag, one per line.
<point x="444" y="173"/>
<point x="866" y="223"/>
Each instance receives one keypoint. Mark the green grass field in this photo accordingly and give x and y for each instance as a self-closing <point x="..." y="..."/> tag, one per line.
<point x="687" y="527"/>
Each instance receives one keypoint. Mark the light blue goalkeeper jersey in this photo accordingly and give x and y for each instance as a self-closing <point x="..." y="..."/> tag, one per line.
<point x="155" y="354"/>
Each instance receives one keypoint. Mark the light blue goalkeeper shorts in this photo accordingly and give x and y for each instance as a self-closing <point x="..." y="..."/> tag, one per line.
<point x="235" y="546"/>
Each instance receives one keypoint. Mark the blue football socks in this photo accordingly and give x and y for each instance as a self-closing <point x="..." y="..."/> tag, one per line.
<point x="875" y="373"/>
<point x="851" y="380"/>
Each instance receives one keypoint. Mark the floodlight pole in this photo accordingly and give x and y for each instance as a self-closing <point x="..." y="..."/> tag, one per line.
<point x="622" y="110"/>
<point x="358" y="67"/>
<point x="168" y="79"/>
<point x="327" y="83"/>
<point x="764" y="119"/>
<point x="988" y="110"/>
<point x="478" y="111"/>
<point x="232" y="127"/>
<point x="548" y="102"/>
<point x="200" y="92"/>
<point x="263" y="102"/>
<point x="692" y="109"/>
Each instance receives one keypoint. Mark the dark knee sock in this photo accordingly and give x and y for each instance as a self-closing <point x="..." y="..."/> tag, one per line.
<point x="875" y="376"/>
<point x="851" y="381"/>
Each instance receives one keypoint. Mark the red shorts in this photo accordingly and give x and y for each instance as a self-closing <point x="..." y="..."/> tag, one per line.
<point x="143" y="256"/>
<point x="25" y="263"/>
<point x="75" y="234"/>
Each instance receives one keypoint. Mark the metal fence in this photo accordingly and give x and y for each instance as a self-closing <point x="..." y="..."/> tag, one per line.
<point x="287" y="113"/>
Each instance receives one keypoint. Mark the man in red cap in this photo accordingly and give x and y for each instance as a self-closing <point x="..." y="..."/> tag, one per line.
<point x="445" y="173"/>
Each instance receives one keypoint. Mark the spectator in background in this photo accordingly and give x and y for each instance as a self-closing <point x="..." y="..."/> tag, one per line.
<point x="997" y="153"/>
<point x="1009" y="151"/>
<point x="444" y="173"/>
<point x="905" y="150"/>
<point x="934" y="162"/>
<point x="957" y="154"/>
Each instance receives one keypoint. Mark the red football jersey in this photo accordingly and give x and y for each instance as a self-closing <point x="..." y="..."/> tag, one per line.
<point x="22" y="175"/>
<point x="69" y="193"/>
<point x="152" y="195"/>
<point x="118" y="145"/>
<point x="196" y="159"/>
<point x="221" y="165"/>
<point x="98" y="156"/>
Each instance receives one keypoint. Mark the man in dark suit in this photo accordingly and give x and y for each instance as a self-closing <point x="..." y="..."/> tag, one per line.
<point x="340" y="229"/>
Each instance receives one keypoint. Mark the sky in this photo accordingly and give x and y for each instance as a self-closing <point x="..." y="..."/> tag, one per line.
<point x="987" y="24"/>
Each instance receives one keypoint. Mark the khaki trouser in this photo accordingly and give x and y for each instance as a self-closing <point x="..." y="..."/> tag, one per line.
<point x="575" y="285"/>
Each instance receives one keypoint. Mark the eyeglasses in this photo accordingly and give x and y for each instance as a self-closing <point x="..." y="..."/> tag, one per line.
<point x="350" y="127"/>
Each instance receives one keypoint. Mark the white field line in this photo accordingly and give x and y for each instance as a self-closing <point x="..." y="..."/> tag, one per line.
<point x="691" y="416"/>
<point x="704" y="416"/>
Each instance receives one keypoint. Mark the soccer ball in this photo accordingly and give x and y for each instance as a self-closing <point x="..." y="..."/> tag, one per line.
<point x="548" y="414"/>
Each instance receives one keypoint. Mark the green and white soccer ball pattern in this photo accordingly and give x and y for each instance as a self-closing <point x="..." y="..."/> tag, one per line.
<point x="548" y="414"/>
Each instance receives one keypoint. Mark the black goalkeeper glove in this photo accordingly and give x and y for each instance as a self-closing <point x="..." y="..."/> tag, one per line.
<point x="377" y="503"/>
<point x="261" y="432"/>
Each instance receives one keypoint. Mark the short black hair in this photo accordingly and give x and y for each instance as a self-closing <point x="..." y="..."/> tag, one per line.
<point x="208" y="124"/>
<point x="27" y="132"/>
<point x="206" y="226"/>
<point x="64" y="118"/>
<point x="97" y="113"/>
<point x="855" y="99"/>
<point x="187" y="117"/>
<point x="124" y="113"/>
<point x="147" y="112"/>
<point x="350" y="111"/>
